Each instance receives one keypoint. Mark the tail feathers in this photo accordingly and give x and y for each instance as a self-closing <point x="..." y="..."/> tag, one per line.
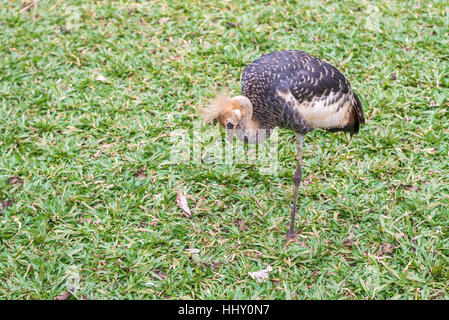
<point x="358" y="109"/>
<point x="356" y="118"/>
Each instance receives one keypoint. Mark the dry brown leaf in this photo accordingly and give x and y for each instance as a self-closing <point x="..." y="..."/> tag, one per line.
<point x="63" y="296"/>
<point x="181" y="201"/>
<point x="15" y="180"/>
<point x="430" y="150"/>
<point x="261" y="275"/>
<point x="101" y="78"/>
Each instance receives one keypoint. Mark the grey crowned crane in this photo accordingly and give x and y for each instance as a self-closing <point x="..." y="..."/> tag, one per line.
<point x="292" y="90"/>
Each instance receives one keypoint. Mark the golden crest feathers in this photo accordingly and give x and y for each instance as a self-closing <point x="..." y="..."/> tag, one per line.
<point x="215" y="107"/>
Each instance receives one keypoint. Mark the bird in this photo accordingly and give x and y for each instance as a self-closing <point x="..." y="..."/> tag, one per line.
<point x="289" y="89"/>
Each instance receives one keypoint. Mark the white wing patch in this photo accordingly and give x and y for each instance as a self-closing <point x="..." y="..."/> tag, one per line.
<point x="317" y="113"/>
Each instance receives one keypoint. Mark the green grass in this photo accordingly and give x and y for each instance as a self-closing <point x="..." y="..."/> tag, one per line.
<point x="88" y="191"/>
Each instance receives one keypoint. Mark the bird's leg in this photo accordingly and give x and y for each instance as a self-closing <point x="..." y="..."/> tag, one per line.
<point x="291" y="236"/>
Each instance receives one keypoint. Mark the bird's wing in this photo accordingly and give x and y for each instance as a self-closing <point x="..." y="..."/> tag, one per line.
<point x="321" y="87"/>
<point x="317" y="80"/>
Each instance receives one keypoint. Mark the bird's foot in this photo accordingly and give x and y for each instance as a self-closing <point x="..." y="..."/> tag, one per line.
<point x="291" y="237"/>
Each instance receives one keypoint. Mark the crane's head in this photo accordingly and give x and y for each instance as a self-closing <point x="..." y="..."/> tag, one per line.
<point x="231" y="113"/>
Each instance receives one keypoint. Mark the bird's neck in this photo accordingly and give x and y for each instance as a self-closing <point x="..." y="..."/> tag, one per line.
<point x="250" y="131"/>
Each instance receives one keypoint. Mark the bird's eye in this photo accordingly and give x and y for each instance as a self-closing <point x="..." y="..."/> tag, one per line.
<point x="229" y="125"/>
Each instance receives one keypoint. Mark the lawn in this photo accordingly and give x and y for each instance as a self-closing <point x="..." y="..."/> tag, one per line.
<point x="92" y="94"/>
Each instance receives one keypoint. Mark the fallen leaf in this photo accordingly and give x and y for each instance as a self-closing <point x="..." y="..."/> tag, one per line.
<point x="15" y="180"/>
<point x="101" y="78"/>
<point x="181" y="201"/>
<point x="63" y="296"/>
<point x="430" y="150"/>
<point x="261" y="275"/>
<point x="150" y="284"/>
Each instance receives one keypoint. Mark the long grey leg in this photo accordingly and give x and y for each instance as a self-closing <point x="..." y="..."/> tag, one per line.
<point x="297" y="177"/>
